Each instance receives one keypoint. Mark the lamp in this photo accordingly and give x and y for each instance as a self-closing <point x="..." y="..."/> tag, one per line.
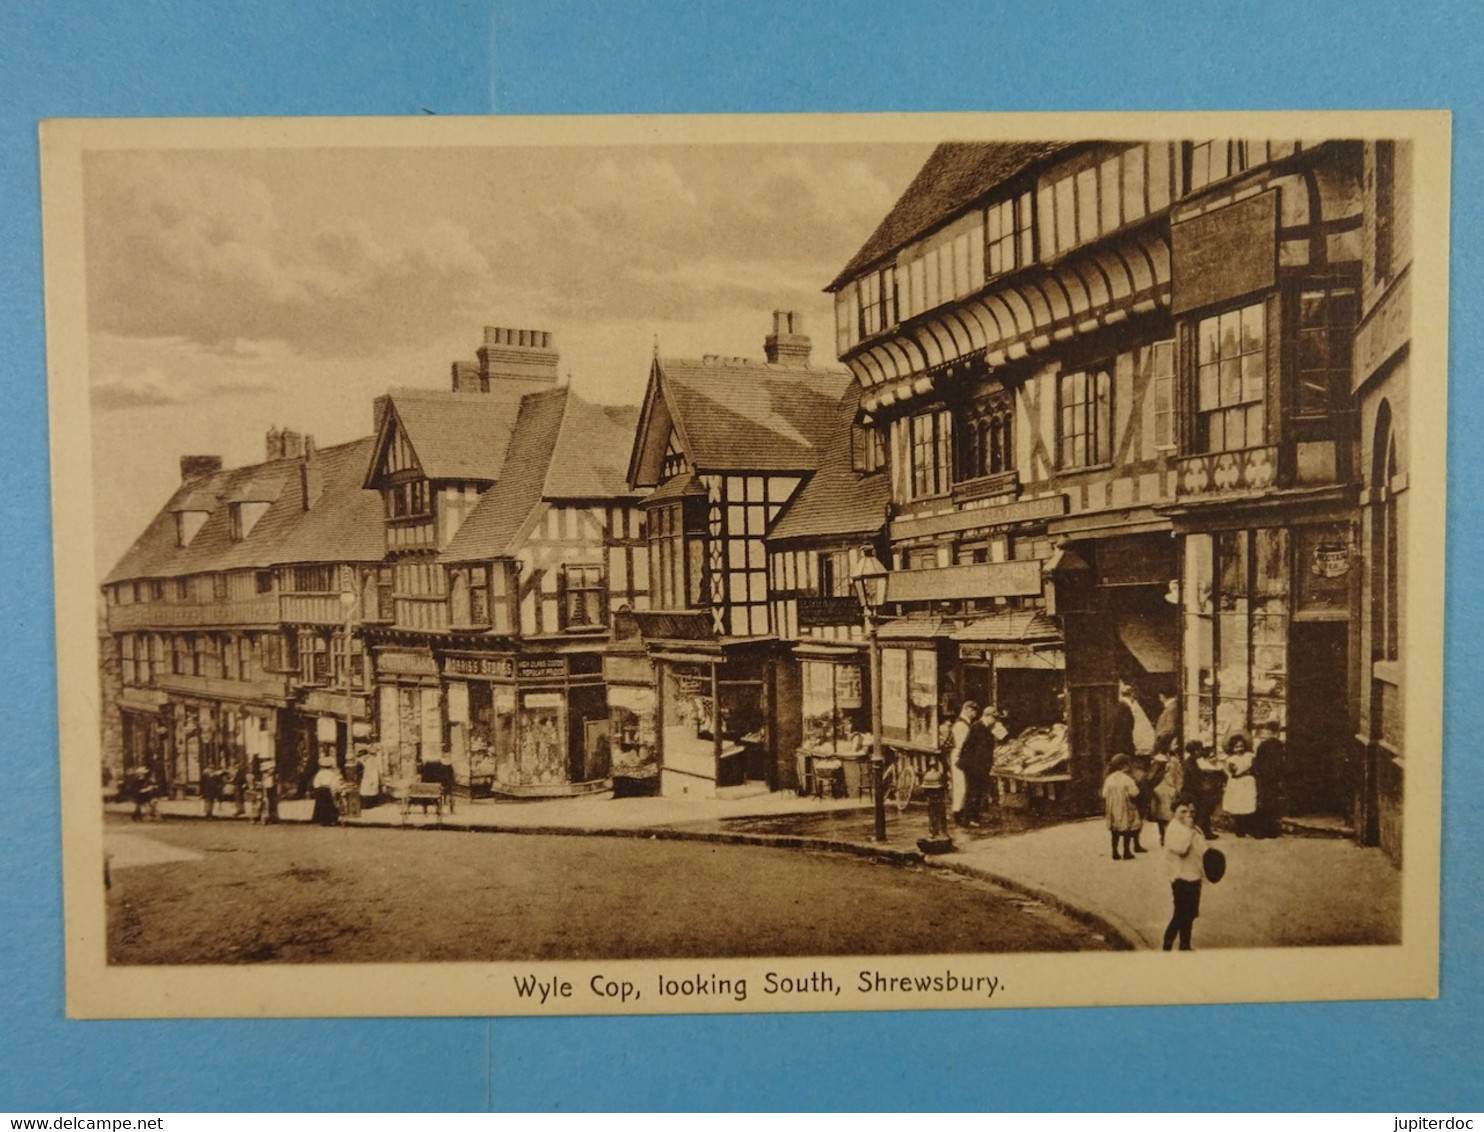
<point x="869" y="578"/>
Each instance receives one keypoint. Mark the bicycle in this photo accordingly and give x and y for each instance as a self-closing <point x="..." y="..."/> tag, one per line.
<point x="899" y="780"/>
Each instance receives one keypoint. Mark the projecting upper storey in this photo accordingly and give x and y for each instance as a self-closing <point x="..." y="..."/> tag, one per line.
<point x="1001" y="249"/>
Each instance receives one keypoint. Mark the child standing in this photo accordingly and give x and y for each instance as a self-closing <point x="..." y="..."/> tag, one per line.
<point x="1185" y="850"/>
<point x="1121" y="803"/>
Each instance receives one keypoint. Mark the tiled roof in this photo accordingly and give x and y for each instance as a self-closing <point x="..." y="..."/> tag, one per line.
<point x="562" y="447"/>
<point x="955" y="175"/>
<point x="837" y="500"/>
<point x="462" y="436"/>
<point x="750" y="415"/>
<point x="591" y="457"/>
<point x="345" y="524"/>
<point x="156" y="555"/>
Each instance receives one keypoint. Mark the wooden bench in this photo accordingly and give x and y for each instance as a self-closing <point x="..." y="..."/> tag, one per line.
<point x="425" y="794"/>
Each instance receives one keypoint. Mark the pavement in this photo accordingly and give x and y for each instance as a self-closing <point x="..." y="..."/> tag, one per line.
<point x="1285" y="892"/>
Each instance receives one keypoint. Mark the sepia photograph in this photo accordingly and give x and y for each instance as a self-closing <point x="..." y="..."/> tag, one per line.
<point x="742" y="564"/>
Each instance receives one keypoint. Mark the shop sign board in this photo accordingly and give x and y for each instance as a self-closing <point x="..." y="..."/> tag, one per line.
<point x="1224" y="254"/>
<point x="817" y="612"/>
<point x="540" y="667"/>
<point x="496" y="667"/>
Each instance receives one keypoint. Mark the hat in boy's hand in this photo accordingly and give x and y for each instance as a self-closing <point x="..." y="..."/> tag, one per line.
<point x="1213" y="864"/>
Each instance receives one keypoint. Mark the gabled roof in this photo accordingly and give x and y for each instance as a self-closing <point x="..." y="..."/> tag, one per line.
<point x="561" y="448"/>
<point x="732" y="413"/>
<point x="837" y="500"/>
<point x="343" y="525"/>
<point x="456" y="436"/>
<point x="952" y="178"/>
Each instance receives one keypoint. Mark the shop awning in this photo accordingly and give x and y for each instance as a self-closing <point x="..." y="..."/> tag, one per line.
<point x="1010" y="625"/>
<point x="915" y="629"/>
<point x="819" y="650"/>
<point x="1152" y="646"/>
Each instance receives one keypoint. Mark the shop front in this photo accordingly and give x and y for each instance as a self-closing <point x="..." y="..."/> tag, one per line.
<point x="409" y="715"/>
<point x="1265" y="640"/>
<point x="527" y="725"/>
<point x="633" y="742"/>
<point x="835" y="695"/>
<point x="713" y="713"/>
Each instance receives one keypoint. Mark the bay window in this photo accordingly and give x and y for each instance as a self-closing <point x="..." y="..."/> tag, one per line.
<point x="1231" y="379"/>
<point x="932" y="453"/>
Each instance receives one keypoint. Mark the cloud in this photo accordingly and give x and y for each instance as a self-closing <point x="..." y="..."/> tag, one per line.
<point x="173" y="371"/>
<point x="194" y="251"/>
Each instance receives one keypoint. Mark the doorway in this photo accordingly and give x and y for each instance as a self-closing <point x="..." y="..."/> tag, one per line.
<point x="1318" y="719"/>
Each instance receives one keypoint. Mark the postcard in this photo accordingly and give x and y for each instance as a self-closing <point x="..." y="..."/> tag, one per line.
<point x="642" y="565"/>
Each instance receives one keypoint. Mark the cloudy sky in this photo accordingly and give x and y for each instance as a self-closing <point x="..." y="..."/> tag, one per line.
<point x="229" y="291"/>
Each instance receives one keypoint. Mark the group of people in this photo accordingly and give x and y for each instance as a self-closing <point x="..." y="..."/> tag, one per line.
<point x="969" y="752"/>
<point x="1182" y="794"/>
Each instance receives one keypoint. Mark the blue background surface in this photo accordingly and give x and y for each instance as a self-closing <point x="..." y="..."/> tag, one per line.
<point x="172" y="57"/>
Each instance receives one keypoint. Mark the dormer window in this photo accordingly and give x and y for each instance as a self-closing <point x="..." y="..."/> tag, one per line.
<point x="188" y="524"/>
<point x="409" y="500"/>
<point x="245" y="516"/>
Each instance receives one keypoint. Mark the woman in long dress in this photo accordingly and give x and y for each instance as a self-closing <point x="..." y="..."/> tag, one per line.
<point x="326" y="783"/>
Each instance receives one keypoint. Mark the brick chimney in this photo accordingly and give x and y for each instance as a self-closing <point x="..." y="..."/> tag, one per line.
<point x="468" y="378"/>
<point x="788" y="345"/>
<point x="527" y="355"/>
<point x="311" y="476"/>
<point x="198" y="467"/>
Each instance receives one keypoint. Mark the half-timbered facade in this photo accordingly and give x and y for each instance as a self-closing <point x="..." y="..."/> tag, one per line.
<point x="723" y="444"/>
<point x="511" y="535"/>
<point x="221" y="659"/>
<point x="534" y="577"/>
<point x="1108" y="379"/>
<point x="814" y="550"/>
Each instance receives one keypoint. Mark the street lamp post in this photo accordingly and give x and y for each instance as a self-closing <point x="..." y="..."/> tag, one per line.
<point x="869" y="580"/>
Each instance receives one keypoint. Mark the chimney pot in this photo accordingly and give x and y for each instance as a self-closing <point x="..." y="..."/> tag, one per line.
<point x="513" y="354"/>
<point x="788" y="345"/>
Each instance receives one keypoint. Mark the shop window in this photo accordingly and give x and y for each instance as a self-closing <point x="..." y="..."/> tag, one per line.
<point x="1231" y="379"/>
<point x="1009" y="235"/>
<point x="584" y="603"/>
<point x="631" y="727"/>
<point x="932" y="453"/>
<point x="1235" y="606"/>
<point x="1085" y="419"/>
<point x="834" y="709"/>
<point x="1163" y="384"/>
<point x="988" y="442"/>
<point x="909" y="696"/>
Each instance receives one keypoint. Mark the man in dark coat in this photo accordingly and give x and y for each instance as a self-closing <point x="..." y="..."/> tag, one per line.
<point x="975" y="758"/>
<point x="1267" y="769"/>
